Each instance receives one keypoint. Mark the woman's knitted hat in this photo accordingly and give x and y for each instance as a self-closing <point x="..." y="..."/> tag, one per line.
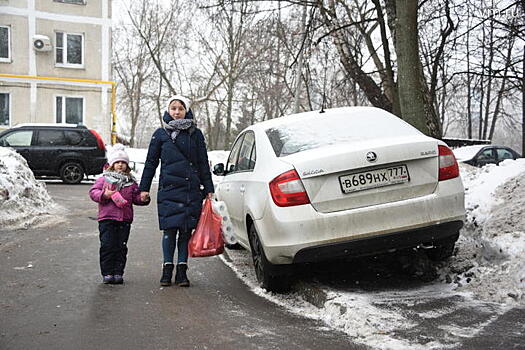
<point x="185" y="101"/>
<point x="117" y="154"/>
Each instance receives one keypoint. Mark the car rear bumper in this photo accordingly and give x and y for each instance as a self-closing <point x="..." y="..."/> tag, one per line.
<point x="284" y="232"/>
<point x="379" y="244"/>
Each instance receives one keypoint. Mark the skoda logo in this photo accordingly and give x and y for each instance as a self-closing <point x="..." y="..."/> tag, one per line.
<point x="371" y="156"/>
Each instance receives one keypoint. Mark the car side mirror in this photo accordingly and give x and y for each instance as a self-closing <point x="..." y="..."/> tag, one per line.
<point x="218" y="169"/>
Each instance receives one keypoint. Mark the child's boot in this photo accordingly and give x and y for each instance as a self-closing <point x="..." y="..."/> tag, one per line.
<point x="118" y="279"/>
<point x="108" y="279"/>
<point x="181" y="279"/>
<point x="167" y="272"/>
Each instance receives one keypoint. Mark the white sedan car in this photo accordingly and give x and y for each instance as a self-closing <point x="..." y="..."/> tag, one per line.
<point x="344" y="182"/>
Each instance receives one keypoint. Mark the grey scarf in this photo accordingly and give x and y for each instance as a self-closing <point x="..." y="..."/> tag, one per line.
<point x="120" y="180"/>
<point x="176" y="125"/>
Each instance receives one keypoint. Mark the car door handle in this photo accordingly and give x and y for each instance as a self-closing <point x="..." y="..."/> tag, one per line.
<point x="242" y="189"/>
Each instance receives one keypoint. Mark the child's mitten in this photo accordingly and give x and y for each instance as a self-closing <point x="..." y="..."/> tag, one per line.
<point x="118" y="200"/>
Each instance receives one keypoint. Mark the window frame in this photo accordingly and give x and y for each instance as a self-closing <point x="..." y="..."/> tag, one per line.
<point x="42" y="132"/>
<point x="64" y="63"/>
<point x="250" y="166"/>
<point x="8" y="58"/>
<point x="500" y="159"/>
<point x="31" y="140"/>
<point x="9" y="108"/>
<point x="63" y="111"/>
<point x="79" y="2"/>
<point x="235" y="158"/>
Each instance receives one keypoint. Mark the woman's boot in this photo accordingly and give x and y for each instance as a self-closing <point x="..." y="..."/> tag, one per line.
<point x="167" y="272"/>
<point x="181" y="279"/>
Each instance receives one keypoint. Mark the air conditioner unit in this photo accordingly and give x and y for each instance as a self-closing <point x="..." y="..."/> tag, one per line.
<point x="42" y="43"/>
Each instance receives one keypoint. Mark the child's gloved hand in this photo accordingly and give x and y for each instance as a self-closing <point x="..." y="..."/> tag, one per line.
<point x="118" y="200"/>
<point x="108" y="193"/>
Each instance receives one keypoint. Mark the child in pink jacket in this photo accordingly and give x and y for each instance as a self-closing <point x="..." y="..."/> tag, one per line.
<point x="116" y="192"/>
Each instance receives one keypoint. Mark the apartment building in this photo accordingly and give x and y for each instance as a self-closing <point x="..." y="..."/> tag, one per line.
<point x="55" y="63"/>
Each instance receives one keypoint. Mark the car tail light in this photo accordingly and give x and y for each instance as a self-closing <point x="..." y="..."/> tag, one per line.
<point x="100" y="142"/>
<point x="448" y="165"/>
<point x="287" y="190"/>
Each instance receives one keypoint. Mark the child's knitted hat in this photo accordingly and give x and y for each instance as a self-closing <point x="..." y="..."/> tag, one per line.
<point x="117" y="154"/>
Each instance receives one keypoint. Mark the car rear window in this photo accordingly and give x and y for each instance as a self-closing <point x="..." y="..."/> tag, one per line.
<point x="312" y="131"/>
<point x="73" y="138"/>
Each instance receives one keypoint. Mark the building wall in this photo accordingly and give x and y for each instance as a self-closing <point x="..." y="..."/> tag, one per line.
<point x="35" y="80"/>
<point x="92" y="68"/>
<point x="19" y="56"/>
<point x="89" y="9"/>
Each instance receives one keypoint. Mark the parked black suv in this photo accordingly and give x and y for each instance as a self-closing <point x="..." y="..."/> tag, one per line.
<point x="66" y="151"/>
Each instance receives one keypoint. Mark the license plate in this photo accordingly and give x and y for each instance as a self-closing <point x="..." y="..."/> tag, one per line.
<point x="374" y="178"/>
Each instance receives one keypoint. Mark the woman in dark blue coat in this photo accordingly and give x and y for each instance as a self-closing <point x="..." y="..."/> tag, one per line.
<point x="185" y="179"/>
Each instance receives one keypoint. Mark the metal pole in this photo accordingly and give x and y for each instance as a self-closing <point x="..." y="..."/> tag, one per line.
<point x="113" y="114"/>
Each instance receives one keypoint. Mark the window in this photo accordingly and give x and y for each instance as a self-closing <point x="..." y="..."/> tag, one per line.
<point x="78" y="2"/>
<point x="486" y="154"/>
<point x="5" y="44"/>
<point x="51" y="138"/>
<point x="69" y="49"/>
<point x="4" y="109"/>
<point x="19" y="138"/>
<point x="73" y="138"/>
<point x="231" y="165"/>
<point x="247" y="153"/>
<point x="69" y="110"/>
<point x="504" y="154"/>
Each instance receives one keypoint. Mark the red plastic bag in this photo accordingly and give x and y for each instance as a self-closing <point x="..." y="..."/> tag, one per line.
<point x="207" y="239"/>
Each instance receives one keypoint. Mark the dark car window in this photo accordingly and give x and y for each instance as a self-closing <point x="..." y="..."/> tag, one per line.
<point x="487" y="154"/>
<point x="51" y="138"/>
<point x="245" y="162"/>
<point x="504" y="154"/>
<point x="18" y="138"/>
<point x="73" y="138"/>
<point x="231" y="165"/>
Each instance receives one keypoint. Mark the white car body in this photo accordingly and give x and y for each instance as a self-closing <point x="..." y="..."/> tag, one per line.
<point x="332" y="221"/>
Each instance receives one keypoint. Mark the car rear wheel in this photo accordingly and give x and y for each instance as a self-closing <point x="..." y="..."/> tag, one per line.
<point x="441" y="252"/>
<point x="271" y="277"/>
<point x="71" y="173"/>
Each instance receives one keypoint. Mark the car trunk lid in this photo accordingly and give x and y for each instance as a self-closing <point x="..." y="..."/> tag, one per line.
<point x="346" y="176"/>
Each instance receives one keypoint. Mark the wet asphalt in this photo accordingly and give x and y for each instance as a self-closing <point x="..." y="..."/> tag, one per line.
<point x="51" y="295"/>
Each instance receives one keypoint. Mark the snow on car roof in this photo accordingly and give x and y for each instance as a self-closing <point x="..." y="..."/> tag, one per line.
<point x="467" y="152"/>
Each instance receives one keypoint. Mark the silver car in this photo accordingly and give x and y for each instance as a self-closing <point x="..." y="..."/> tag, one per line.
<point x="344" y="182"/>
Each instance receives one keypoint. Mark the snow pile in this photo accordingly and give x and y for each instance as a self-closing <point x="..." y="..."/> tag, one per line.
<point x="24" y="201"/>
<point x="490" y="256"/>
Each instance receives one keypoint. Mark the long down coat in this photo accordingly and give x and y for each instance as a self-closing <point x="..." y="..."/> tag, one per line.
<point x="184" y="168"/>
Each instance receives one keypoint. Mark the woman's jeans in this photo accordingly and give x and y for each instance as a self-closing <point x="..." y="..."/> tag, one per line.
<point x="113" y="246"/>
<point x="168" y="245"/>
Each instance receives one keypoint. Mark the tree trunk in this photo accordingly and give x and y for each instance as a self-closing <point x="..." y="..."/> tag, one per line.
<point x="410" y="73"/>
